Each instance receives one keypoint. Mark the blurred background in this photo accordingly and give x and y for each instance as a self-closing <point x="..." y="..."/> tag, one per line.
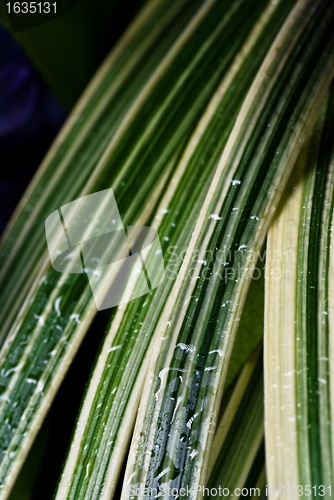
<point x="30" y="117"/>
<point x="43" y="71"/>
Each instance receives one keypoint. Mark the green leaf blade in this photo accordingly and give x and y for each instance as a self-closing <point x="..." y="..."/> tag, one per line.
<point x="153" y="454"/>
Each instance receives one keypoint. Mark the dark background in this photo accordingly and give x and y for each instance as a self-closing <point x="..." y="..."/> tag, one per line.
<point x="68" y="50"/>
<point x="30" y="117"/>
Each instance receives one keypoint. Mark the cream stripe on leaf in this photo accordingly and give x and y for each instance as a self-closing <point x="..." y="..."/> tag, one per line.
<point x="298" y="331"/>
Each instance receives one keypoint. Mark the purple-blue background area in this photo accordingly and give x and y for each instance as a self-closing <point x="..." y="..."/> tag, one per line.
<point x="30" y="117"/>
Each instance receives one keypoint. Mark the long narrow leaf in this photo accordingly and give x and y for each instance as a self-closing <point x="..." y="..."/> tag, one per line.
<point x="298" y="328"/>
<point x="240" y="432"/>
